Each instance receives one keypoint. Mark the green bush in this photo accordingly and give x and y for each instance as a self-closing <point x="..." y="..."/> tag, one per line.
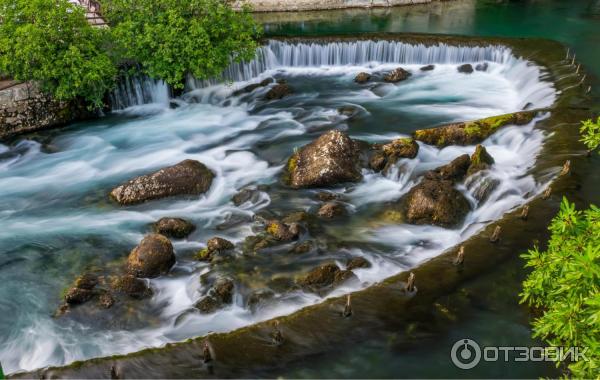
<point x="50" y="41"/>
<point x="172" y="38"/>
<point x="590" y="133"/>
<point x="565" y="286"/>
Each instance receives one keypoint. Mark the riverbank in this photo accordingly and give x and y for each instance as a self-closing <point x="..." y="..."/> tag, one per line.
<point x="312" y="5"/>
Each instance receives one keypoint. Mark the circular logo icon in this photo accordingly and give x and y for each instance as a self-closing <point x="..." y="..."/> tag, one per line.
<point x="465" y="354"/>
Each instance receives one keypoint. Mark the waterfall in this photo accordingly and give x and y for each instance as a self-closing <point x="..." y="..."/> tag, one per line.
<point x="280" y="54"/>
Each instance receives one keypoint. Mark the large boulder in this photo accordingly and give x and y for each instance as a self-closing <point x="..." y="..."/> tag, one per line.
<point x="435" y="202"/>
<point x="396" y="75"/>
<point x="331" y="159"/>
<point x="189" y="177"/>
<point x="173" y="227"/>
<point x="471" y="132"/>
<point x="152" y="257"/>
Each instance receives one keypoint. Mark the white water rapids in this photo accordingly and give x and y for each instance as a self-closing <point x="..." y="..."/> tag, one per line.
<point x="56" y="220"/>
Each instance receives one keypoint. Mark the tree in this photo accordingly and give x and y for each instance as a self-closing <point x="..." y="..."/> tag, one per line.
<point x="172" y="38"/>
<point x="50" y="42"/>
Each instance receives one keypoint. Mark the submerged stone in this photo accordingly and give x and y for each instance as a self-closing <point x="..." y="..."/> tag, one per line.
<point x="130" y="286"/>
<point x="357" y="262"/>
<point x="278" y="91"/>
<point x="331" y="210"/>
<point x="427" y="68"/>
<point x="220" y="294"/>
<point x="173" y="227"/>
<point x="331" y="159"/>
<point x="189" y="177"/>
<point x="471" y="132"/>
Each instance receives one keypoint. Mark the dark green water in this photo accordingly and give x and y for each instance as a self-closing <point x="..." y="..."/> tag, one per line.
<point x="495" y="318"/>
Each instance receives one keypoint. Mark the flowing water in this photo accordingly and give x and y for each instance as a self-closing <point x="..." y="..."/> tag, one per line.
<point x="58" y="222"/>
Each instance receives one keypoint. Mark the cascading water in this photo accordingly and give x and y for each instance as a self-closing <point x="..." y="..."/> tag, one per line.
<point x="57" y="221"/>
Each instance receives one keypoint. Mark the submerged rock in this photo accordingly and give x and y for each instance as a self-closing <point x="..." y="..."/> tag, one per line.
<point x="82" y="289"/>
<point x="396" y="75"/>
<point x="331" y="210"/>
<point x="214" y="246"/>
<point x="362" y="77"/>
<point x="282" y="231"/>
<point x="152" y="257"/>
<point x="245" y="195"/>
<point x="331" y="159"/>
<point x="427" y="68"/>
<point x="220" y="294"/>
<point x="481" y="66"/>
<point x="173" y="227"/>
<point x="278" y="91"/>
<point x="251" y="87"/>
<point x="435" y="202"/>
<point x="357" y="262"/>
<point x="471" y="132"/>
<point x="130" y="286"/>
<point x="189" y="177"/>
<point x="348" y="110"/>
<point x="326" y="276"/>
<point x="467" y="68"/>
<point x="480" y="160"/>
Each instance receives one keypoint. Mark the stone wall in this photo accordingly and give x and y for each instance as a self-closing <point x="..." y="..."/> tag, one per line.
<point x="309" y="5"/>
<point x="23" y="108"/>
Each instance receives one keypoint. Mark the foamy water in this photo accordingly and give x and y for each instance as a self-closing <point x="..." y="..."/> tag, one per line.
<point x="56" y="218"/>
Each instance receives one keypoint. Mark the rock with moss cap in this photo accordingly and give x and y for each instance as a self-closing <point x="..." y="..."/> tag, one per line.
<point x="214" y="246"/>
<point x="387" y="155"/>
<point x="82" y="289"/>
<point x="152" y="257"/>
<point x="471" y="132"/>
<point x="396" y="75"/>
<point x="331" y="159"/>
<point x="189" y="177"/>
<point x="282" y="231"/>
<point x="480" y="160"/>
<point x="173" y="227"/>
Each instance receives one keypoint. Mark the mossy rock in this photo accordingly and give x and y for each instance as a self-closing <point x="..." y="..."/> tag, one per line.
<point x="480" y="160"/>
<point x="471" y="132"/>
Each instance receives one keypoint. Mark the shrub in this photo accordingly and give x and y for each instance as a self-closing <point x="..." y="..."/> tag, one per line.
<point x="50" y="41"/>
<point x="590" y="133"/>
<point x="172" y="38"/>
<point x="565" y="286"/>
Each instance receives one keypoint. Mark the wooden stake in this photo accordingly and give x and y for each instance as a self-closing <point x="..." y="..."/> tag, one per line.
<point x="410" y="283"/>
<point x="496" y="235"/>
<point x="348" y="308"/>
<point x="277" y="335"/>
<point x="206" y="356"/>
<point x="547" y="193"/>
<point x="566" y="168"/>
<point x="525" y="212"/>
<point x="460" y="256"/>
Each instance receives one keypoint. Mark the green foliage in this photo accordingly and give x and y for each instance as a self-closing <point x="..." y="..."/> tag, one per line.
<point x="50" y="41"/>
<point x="565" y="286"/>
<point x="590" y="133"/>
<point x="173" y="38"/>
